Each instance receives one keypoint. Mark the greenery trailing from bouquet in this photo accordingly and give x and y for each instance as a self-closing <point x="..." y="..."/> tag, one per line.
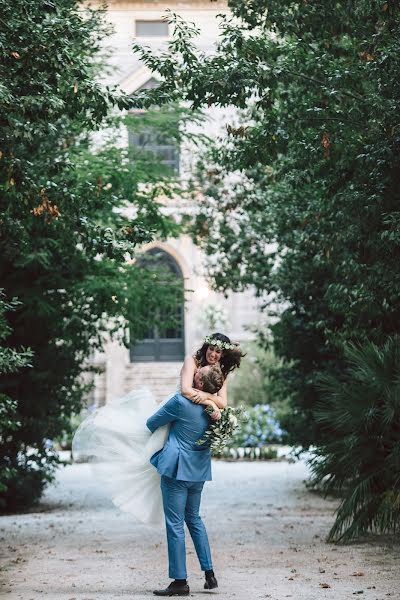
<point x="360" y="414"/>
<point x="220" y="432"/>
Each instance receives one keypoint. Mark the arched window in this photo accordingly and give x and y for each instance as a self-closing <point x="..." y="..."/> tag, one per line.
<point x="163" y="343"/>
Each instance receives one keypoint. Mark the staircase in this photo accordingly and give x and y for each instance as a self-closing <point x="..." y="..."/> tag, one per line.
<point x="161" y="377"/>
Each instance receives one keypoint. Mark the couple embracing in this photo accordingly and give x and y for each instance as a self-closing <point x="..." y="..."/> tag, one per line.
<point x="160" y="453"/>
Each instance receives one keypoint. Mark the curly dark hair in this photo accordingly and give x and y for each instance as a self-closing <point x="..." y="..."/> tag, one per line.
<point x="230" y="359"/>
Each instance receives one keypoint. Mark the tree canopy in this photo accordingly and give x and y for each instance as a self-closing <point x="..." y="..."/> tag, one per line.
<point x="301" y="202"/>
<point x="302" y="193"/>
<point x="65" y="232"/>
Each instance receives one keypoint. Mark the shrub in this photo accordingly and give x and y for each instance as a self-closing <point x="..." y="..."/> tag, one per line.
<point x="261" y="429"/>
<point x="266" y="453"/>
<point x="360" y="416"/>
<point x="11" y="360"/>
<point x="255" y="383"/>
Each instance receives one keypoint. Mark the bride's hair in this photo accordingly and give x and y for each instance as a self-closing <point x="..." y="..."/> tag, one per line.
<point x="230" y="358"/>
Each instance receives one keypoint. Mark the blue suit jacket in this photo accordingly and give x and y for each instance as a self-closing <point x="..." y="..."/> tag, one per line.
<point x="181" y="458"/>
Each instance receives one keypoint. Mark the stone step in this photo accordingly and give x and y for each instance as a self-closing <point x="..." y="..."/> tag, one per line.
<point x="156" y="373"/>
<point x="147" y="379"/>
<point x="160" y="378"/>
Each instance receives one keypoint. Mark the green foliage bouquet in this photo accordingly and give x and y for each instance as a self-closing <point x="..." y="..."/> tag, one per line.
<point x="220" y="432"/>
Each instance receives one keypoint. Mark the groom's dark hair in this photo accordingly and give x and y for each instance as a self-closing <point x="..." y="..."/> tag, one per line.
<point x="213" y="380"/>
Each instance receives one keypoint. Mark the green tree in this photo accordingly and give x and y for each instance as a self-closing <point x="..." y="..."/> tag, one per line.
<point x="302" y="194"/>
<point x="65" y="232"/>
<point x="11" y="360"/>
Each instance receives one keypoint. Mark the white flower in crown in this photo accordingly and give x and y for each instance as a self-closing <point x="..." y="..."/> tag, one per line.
<point x="219" y="343"/>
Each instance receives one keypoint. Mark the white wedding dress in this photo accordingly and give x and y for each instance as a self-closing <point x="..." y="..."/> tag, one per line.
<point x="117" y="443"/>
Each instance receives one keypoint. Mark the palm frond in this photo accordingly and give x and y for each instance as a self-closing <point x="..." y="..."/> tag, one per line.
<point x="360" y="413"/>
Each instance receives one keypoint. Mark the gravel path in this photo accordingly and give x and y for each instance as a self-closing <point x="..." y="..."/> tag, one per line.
<point x="266" y="534"/>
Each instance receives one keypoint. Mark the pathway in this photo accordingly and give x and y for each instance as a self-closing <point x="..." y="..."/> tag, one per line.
<point x="266" y="533"/>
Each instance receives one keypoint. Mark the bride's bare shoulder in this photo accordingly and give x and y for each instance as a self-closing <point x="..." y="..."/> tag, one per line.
<point x="190" y="360"/>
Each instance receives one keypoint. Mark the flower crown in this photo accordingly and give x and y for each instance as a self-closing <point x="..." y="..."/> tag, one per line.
<point x="219" y="343"/>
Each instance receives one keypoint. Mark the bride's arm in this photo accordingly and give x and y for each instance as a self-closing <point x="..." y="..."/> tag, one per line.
<point x="198" y="396"/>
<point x="187" y="389"/>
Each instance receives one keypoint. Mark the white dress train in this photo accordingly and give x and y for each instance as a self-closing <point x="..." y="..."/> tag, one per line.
<point x="117" y="443"/>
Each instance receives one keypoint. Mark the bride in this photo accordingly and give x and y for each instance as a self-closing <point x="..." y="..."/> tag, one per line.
<point x="119" y="446"/>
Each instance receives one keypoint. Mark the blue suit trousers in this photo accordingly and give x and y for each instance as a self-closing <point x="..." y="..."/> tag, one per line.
<point x="181" y="501"/>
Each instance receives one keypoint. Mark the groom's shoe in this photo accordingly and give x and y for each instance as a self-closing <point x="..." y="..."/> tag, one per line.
<point x="174" y="589"/>
<point x="211" y="583"/>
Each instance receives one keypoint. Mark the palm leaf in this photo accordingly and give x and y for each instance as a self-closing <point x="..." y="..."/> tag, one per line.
<point x="360" y="413"/>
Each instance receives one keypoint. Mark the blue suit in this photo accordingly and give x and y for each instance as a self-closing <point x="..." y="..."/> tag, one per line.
<point x="184" y="466"/>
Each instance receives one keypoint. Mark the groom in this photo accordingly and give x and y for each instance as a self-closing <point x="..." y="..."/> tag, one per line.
<point x="184" y="466"/>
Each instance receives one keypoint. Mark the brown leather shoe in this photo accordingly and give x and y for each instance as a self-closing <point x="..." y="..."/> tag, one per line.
<point x="173" y="590"/>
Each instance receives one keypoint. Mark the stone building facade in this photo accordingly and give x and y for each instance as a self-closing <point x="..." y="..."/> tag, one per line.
<point x="156" y="362"/>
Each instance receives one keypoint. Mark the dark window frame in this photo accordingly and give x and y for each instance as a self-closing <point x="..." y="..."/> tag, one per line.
<point x="159" y="348"/>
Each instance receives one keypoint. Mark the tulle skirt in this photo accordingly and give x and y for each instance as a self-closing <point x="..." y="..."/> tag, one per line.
<point x="118" y="445"/>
